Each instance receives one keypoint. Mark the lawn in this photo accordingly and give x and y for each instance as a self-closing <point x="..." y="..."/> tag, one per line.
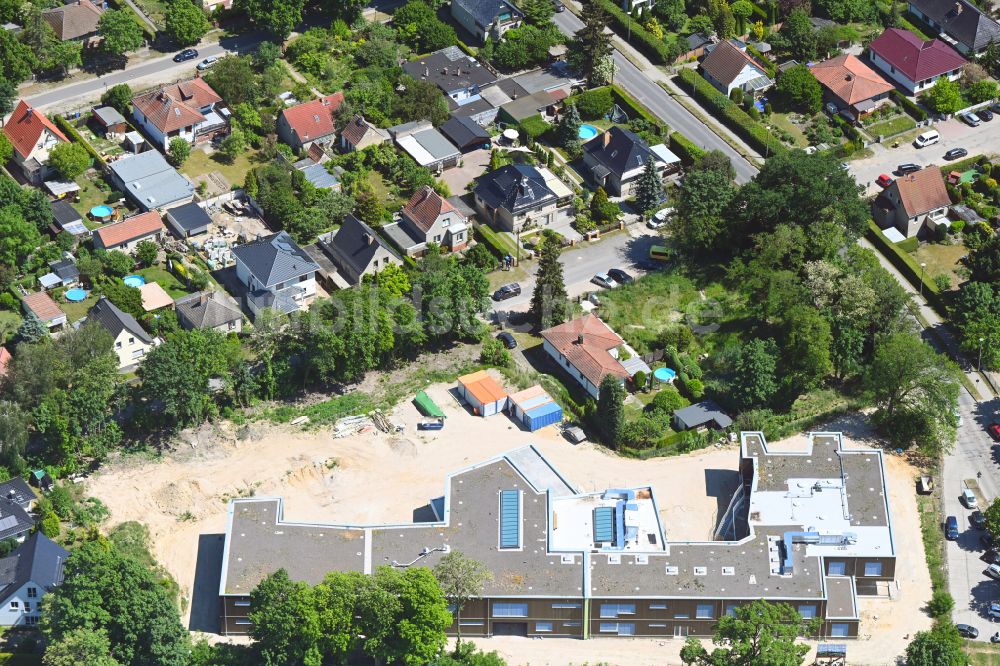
<point x="77" y="311"/>
<point x="941" y="259"/>
<point x="201" y="163"/>
<point x="162" y="277"/>
<point x="893" y="126"/>
<point x="9" y="323"/>
<point x="783" y="122"/>
<point x="91" y="195"/>
<point x="982" y="654"/>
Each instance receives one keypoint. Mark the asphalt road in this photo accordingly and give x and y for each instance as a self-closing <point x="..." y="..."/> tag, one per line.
<point x="974" y="452"/>
<point x="665" y="107"/>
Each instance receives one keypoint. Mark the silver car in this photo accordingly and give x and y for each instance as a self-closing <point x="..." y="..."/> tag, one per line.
<point x="604" y="280"/>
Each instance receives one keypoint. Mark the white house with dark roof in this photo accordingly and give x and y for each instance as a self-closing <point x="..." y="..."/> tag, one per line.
<point x="27" y="574"/>
<point x="428" y="218"/>
<point x="356" y="250"/>
<point x="617" y="157"/>
<point x="516" y="196"/>
<point x="958" y="22"/>
<point x="131" y="341"/>
<point x="209" y="309"/>
<point x="486" y="18"/>
<point x="276" y="272"/>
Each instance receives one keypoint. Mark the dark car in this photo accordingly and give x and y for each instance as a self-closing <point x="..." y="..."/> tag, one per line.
<point x="620" y="276"/>
<point x="977" y="520"/>
<point x="186" y="54"/>
<point x="908" y="167"/>
<point x="991" y="557"/>
<point x="956" y="153"/>
<point x="951" y="528"/>
<point x="507" y="339"/>
<point x="989" y="541"/>
<point x="967" y="631"/>
<point x="560" y="7"/>
<point x="985" y="115"/>
<point x="507" y="291"/>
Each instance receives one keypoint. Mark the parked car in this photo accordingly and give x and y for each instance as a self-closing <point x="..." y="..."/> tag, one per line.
<point x="431" y="424"/>
<point x="985" y="115"/>
<point x="574" y="434"/>
<point x="967" y="631"/>
<point x="989" y="541"/>
<point x="507" y="291"/>
<point x="971" y="119"/>
<point x="994" y="611"/>
<point x="969" y="499"/>
<point x="993" y="571"/>
<point x="560" y="7"/>
<point x="977" y="520"/>
<point x="620" y="276"/>
<point x="604" y="280"/>
<point x="995" y="107"/>
<point x="831" y="108"/>
<point x="507" y="339"/>
<point x="594" y="299"/>
<point x="995" y="638"/>
<point x="991" y="557"/>
<point x="994" y="430"/>
<point x="951" y="528"/>
<point x="928" y="138"/>
<point x="186" y="54"/>
<point x="956" y="153"/>
<point x="659" y="218"/>
<point x="207" y="62"/>
<point x="884" y="180"/>
<point x="907" y="167"/>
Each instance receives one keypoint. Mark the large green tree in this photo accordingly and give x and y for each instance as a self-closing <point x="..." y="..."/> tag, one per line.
<point x="649" y="188"/>
<point x="18" y="237"/>
<point x="944" y="96"/>
<point x="16" y="59"/>
<point x="286" y="624"/>
<point x="186" y="22"/>
<point x="69" y="159"/>
<point x="410" y="617"/>
<point x="992" y="515"/>
<point x="591" y="44"/>
<point x="610" y="414"/>
<point x="798" y="90"/>
<point x="549" y="301"/>
<point x="754" y="381"/>
<point x="701" y="222"/>
<point x="80" y="646"/>
<point x="806" y="348"/>
<point x="798" y="36"/>
<point x="119" y="97"/>
<point x="276" y="16"/>
<point x="119" y="32"/>
<point x="461" y="579"/>
<point x="941" y="646"/>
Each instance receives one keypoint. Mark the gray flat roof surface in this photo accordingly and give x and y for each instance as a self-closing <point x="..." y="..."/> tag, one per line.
<point x="840" y="598"/>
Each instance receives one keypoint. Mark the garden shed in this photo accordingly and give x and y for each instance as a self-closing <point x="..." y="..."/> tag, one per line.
<point x="534" y="409"/>
<point x="483" y="393"/>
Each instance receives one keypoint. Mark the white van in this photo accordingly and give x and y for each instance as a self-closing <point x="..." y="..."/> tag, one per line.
<point x="928" y="138"/>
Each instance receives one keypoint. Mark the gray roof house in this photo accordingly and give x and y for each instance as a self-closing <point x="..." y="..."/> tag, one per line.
<point x="703" y="414"/>
<point x="958" y="22"/>
<point x="188" y="220"/>
<point x="426" y="145"/>
<point x="15" y="523"/>
<point x="459" y="76"/>
<point x="150" y="182"/>
<point x="519" y="195"/>
<point x="132" y="342"/>
<point x="356" y="250"/>
<point x="486" y="18"/>
<point x="30" y="571"/>
<point x="68" y="218"/>
<point x="617" y="157"/>
<point x="276" y="273"/>
<point x="18" y="491"/>
<point x="465" y="133"/>
<point x="209" y="309"/>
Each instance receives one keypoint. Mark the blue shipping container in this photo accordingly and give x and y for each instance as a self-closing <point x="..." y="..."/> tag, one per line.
<point x="542" y="416"/>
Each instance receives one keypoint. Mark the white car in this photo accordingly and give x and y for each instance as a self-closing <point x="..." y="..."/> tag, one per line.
<point x="207" y="62"/>
<point x="659" y="218"/>
<point x="969" y="499"/>
<point x="604" y="280"/>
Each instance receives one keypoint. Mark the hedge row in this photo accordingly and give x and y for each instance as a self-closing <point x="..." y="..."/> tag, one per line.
<point x="906" y="265"/>
<point x="649" y="44"/>
<point x="68" y="128"/>
<point x="632" y="106"/>
<point x="485" y="235"/>
<point x="908" y="105"/>
<point x="720" y="106"/>
<point x="685" y="148"/>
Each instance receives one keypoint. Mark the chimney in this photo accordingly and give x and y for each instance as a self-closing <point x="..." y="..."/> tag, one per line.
<point x="444" y="70"/>
<point x="607" y="138"/>
<point x="427" y="72"/>
<point x="958" y="8"/>
<point x="204" y="298"/>
<point x="579" y="339"/>
<point x="31" y="112"/>
<point x="458" y="71"/>
<point x="369" y="239"/>
<point x="849" y="77"/>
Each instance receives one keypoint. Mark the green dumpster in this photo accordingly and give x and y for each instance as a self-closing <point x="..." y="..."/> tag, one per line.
<point x="427" y="406"/>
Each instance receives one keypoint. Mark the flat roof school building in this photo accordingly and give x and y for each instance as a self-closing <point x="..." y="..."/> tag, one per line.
<point x="811" y="529"/>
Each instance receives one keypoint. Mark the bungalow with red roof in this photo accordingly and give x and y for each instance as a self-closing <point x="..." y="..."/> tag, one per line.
<point x="48" y="311"/>
<point x="428" y="218"/>
<point x="32" y="135"/>
<point x="851" y="85"/>
<point x="189" y="109"/>
<point x="128" y="233"/>
<point x="310" y="123"/>
<point x="913" y="63"/>
<point x="587" y="349"/>
<point x="913" y="202"/>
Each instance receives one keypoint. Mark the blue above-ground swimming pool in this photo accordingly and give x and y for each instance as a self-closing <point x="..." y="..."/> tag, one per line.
<point x="587" y="132"/>
<point x="101" y="211"/>
<point x="75" y="295"/>
<point x="134" y="281"/>
<point x="665" y="375"/>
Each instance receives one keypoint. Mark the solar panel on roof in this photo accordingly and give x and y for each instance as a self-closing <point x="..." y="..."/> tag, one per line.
<point x="510" y="519"/>
<point x="7" y="523"/>
<point x="604" y="524"/>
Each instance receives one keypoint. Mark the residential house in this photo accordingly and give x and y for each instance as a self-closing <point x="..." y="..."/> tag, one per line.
<point x="211" y="5"/>
<point x="67" y="218"/>
<point x="188" y="220"/>
<point x="465" y="133"/>
<point x="516" y="196"/>
<point x="48" y="311"/>
<point x="318" y="175"/>
<point x="209" y="309"/>
<point x="63" y="273"/>
<point x="302" y="125"/>
<point x="958" y="22"/>
<point x="588" y="350"/>
<point x="131" y="341"/>
<point x="356" y="250"/>
<point x="486" y="18"/>
<point x="127" y="234"/>
<point x="460" y="77"/>
<point x="851" y="85"/>
<point x="428" y="218"/>
<point x="150" y="181"/>
<point x="27" y="574"/>
<point x="74" y="21"/>
<point x="190" y="110"/>
<point x="543" y="103"/>
<point x="642" y="6"/>
<point x="427" y="146"/>
<point x="913" y="202"/>
<point x="913" y="63"/>
<point x="18" y="491"/>
<point x="109" y="122"/>
<point x="276" y="272"/>
<point x="32" y="136"/>
<point x="617" y="157"/>
<point x="705" y="414"/>
<point x="695" y="44"/>
<point x="358" y="134"/>
<point x="728" y="67"/>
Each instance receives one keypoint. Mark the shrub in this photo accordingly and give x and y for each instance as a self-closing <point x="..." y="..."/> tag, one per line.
<point x="594" y="104"/>
<point x="534" y="127"/>
<point x="941" y="604"/>
<point x="50" y="525"/>
<point x="667" y="400"/>
<point x="908" y="105"/>
<point x="639" y="380"/>
<point x="495" y="354"/>
<point x="957" y="226"/>
<point x="645" y="41"/>
<point x="694" y="389"/>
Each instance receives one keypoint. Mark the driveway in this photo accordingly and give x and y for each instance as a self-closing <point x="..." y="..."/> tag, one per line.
<point x="474" y="165"/>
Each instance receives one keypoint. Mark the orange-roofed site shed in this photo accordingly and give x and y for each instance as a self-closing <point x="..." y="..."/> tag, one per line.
<point x="483" y="393"/>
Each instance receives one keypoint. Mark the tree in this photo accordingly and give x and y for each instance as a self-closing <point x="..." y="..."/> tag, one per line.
<point x="119" y="32"/>
<point x="605" y="71"/>
<point x="941" y="646"/>
<point x="69" y="159"/>
<point x="568" y="128"/>
<point x="276" y="16"/>
<point x="180" y="150"/>
<point x="915" y="390"/>
<point x="420" y="100"/>
<point x="549" y="301"/>
<point x="538" y="13"/>
<point x="496" y="354"/>
<point x="602" y="209"/>
<point x="186" y="23"/>
<point x="233" y="145"/>
<point x="119" y="97"/>
<point x="944" y="96"/>
<point x="700" y="226"/>
<point x="16" y="59"/>
<point x="80" y="646"/>
<point x="610" y="415"/>
<point x="18" y="237"/>
<point x="8" y="94"/>
<point x="461" y="579"/>
<point x="146" y="252"/>
<point x="125" y="298"/>
<point x="286" y="625"/>
<point x="754" y="380"/>
<point x="406" y="624"/>
<point x="480" y="256"/>
<point x="649" y="188"/>
<point x="591" y="44"/>
<point x="759" y="633"/>
<point x="981" y="91"/>
<point x="797" y="32"/>
<point x="104" y="591"/>
<point x="525" y="46"/>
<point x="235" y="79"/>
<point x="14" y="424"/>
<point x="798" y="90"/>
<point x="806" y="348"/>
<point x="32" y="329"/>
<point x="117" y="263"/>
<point x="742" y="10"/>
<point x="992" y="515"/>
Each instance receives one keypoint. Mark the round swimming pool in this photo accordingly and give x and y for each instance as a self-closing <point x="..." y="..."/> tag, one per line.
<point x="76" y="294"/>
<point x="101" y="211"/>
<point x="665" y="375"/>
<point x="587" y="132"/>
<point x="134" y="281"/>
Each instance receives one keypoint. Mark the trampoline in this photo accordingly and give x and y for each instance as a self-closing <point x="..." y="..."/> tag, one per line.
<point x="665" y="375"/>
<point x="75" y="295"/>
<point x="102" y="212"/>
<point x="587" y="132"/>
<point x="134" y="281"/>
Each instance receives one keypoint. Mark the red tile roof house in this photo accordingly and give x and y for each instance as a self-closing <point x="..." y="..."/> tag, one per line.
<point x="428" y="218"/>
<point x="309" y="123"/>
<point x="587" y="349"/>
<point x="913" y="202"/>
<point x="128" y="233"/>
<point x="32" y="135"/>
<point x="913" y="63"/>
<point x="190" y="109"/>
<point x="42" y="306"/>
<point x="75" y="20"/>
<point x="851" y="84"/>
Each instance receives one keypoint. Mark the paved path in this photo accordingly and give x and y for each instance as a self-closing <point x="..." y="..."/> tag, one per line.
<point x="142" y="15"/>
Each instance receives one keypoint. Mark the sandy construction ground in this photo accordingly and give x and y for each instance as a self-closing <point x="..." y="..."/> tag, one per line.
<point x="372" y="478"/>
